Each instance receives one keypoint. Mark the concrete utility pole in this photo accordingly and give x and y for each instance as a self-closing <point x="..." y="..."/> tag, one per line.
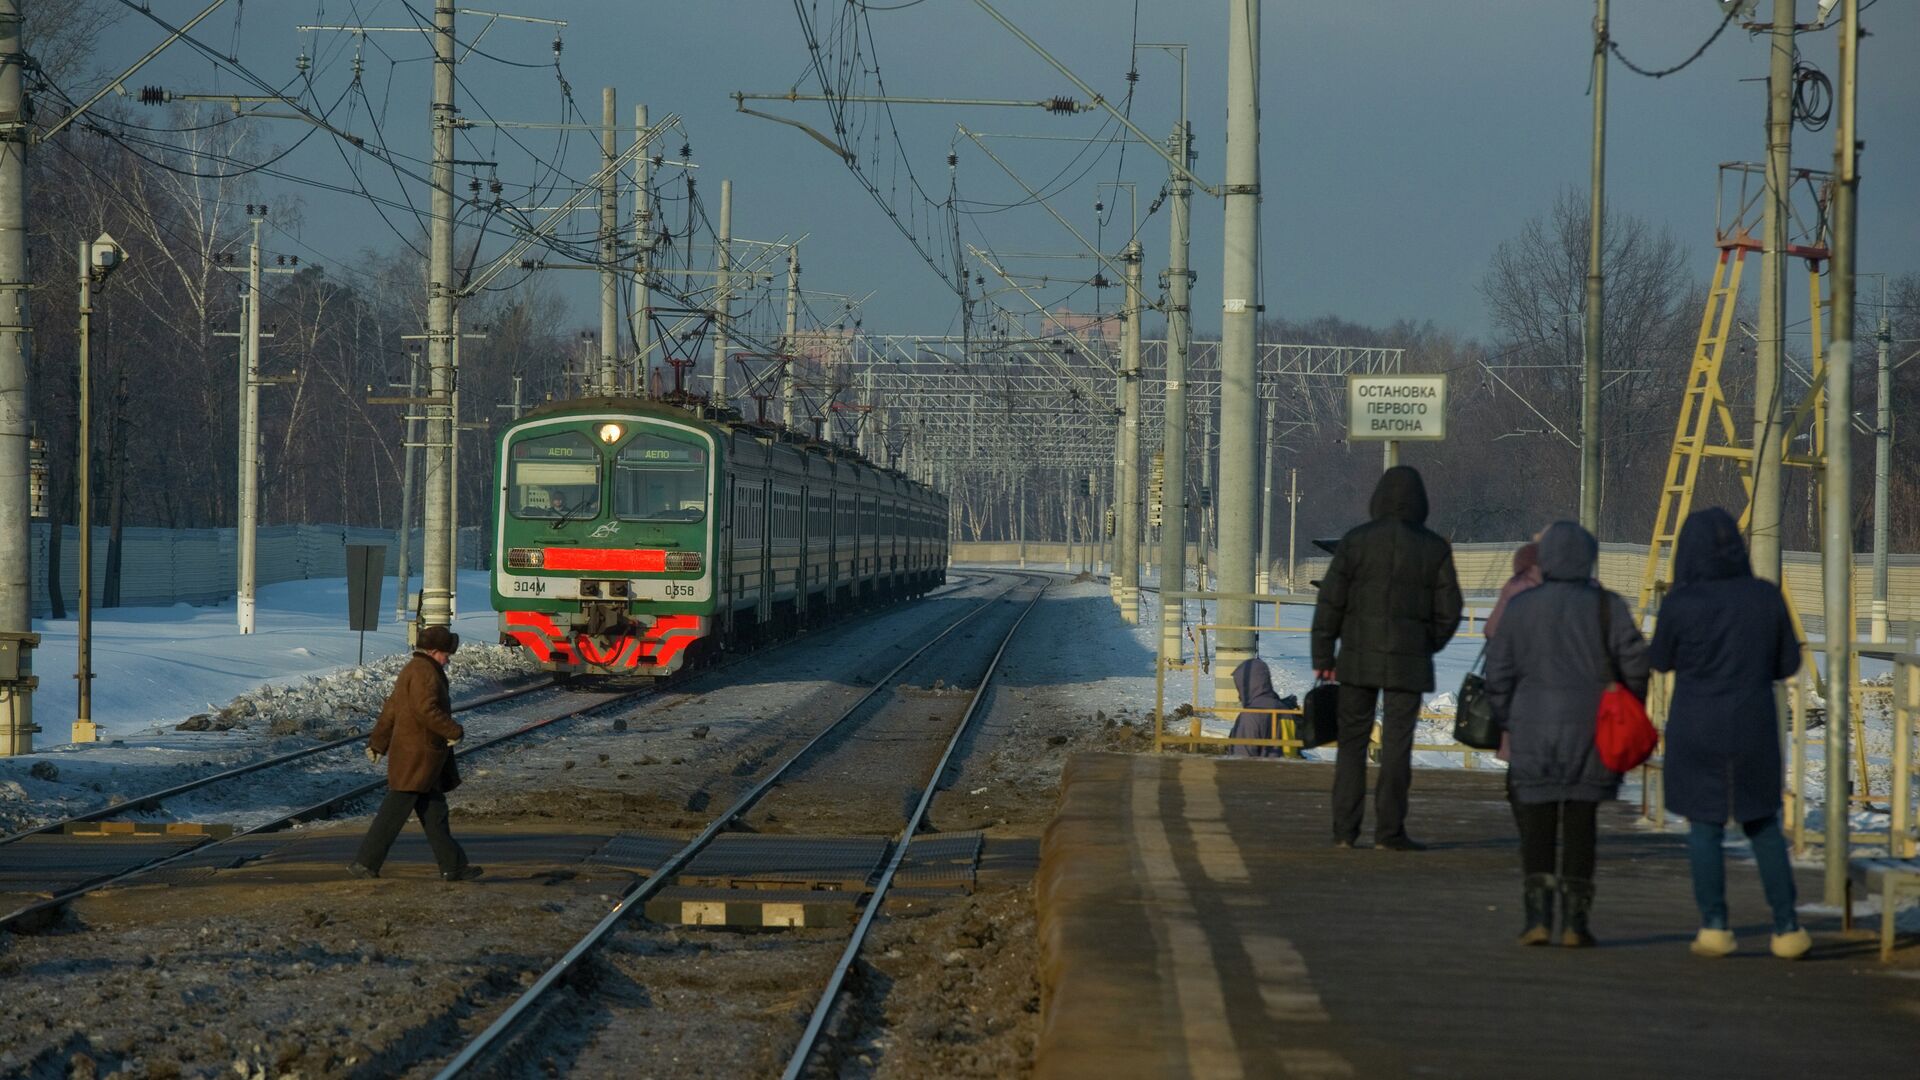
<point x="609" y="247"/>
<point x="642" y="258"/>
<point x="404" y="571"/>
<point x="1293" y="522"/>
<point x="1263" y="579"/>
<point x="1837" y="545"/>
<point x="437" y="577"/>
<point x="789" y="340"/>
<point x="84" y="729"/>
<point x="723" y="296"/>
<point x="1173" y="446"/>
<point x="1126" y="569"/>
<point x="16" y="428"/>
<point x="1882" y="468"/>
<point x="249" y="517"/>
<point x="1239" y="307"/>
<point x="1596" y="280"/>
<point x="1770" y="350"/>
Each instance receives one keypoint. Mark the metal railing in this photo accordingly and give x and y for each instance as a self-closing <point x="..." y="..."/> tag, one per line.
<point x="1281" y="722"/>
<point x="1901" y="837"/>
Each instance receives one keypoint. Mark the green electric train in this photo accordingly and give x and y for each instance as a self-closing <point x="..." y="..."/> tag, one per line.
<point x="629" y="534"/>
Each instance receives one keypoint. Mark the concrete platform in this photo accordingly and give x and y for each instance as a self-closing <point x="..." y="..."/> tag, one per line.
<point x="1196" y="921"/>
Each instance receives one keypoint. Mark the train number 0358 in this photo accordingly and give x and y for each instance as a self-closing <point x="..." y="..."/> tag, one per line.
<point x="675" y="588"/>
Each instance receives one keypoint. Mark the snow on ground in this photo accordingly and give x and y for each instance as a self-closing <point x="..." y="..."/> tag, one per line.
<point x="292" y="681"/>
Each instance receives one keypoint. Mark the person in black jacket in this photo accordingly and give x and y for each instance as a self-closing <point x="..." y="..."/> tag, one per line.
<point x="1728" y="638"/>
<point x="1390" y="600"/>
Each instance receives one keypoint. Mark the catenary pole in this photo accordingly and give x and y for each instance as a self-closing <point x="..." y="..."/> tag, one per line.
<point x="1882" y="466"/>
<point x="1837" y="544"/>
<point x="84" y="729"/>
<point x="404" y="571"/>
<point x="1126" y="568"/>
<point x="245" y="543"/>
<point x="453" y="477"/>
<point x="1239" y="307"/>
<point x="1173" y="435"/>
<point x="1590" y="443"/>
<point x="723" y="297"/>
<point x="16" y="427"/>
<point x="642" y="259"/>
<point x="1263" y="577"/>
<point x="789" y="338"/>
<point x="1293" y="523"/>
<point x="436" y="571"/>
<point x="609" y="245"/>
<point x="1764" y="517"/>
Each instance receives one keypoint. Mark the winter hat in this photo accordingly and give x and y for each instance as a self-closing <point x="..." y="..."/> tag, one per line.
<point x="437" y="639"/>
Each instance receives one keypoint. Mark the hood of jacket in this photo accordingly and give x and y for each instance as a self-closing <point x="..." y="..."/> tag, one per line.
<point x="1254" y="681"/>
<point x="1567" y="552"/>
<point x="1400" y="494"/>
<point x="1710" y="548"/>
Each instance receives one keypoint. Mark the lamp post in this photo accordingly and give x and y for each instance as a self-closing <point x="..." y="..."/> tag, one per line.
<point x="98" y="260"/>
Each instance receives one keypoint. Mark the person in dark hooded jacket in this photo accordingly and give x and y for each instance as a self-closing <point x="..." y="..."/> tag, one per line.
<point x="1727" y="637"/>
<point x="1389" y="601"/>
<point x="1254" y="681"/>
<point x="1560" y="645"/>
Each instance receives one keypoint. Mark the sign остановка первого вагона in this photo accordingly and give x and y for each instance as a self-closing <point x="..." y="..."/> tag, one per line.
<point x="1396" y="406"/>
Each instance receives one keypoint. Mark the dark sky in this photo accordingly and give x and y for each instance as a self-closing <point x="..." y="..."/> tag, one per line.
<point x="1401" y="141"/>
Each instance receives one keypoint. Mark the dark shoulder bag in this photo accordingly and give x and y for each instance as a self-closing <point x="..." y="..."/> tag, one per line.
<point x="1320" y="715"/>
<point x="1473" y="722"/>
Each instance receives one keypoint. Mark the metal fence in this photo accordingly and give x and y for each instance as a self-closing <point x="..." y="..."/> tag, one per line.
<point x="161" y="567"/>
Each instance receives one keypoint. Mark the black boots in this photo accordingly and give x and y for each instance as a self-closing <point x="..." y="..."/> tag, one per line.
<point x="1576" y="899"/>
<point x="1539" y="901"/>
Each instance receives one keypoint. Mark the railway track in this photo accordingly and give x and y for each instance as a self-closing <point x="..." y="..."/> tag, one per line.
<point x="500" y="1036"/>
<point x="137" y="861"/>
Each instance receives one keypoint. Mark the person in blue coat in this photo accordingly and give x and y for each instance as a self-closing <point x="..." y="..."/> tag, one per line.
<point x="1727" y="637"/>
<point x="1254" y="680"/>
<point x="1560" y="645"/>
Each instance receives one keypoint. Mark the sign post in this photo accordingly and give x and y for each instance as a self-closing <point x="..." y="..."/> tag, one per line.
<point x="366" y="568"/>
<point x="1391" y="408"/>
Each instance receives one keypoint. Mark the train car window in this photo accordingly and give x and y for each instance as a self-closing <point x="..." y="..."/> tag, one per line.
<point x="554" y="476"/>
<point x="660" y="479"/>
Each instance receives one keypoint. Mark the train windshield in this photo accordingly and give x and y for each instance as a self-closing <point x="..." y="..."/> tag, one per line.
<point x="660" y="479"/>
<point x="554" y="476"/>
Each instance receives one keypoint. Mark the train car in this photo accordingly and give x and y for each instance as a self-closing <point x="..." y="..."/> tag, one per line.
<point x="631" y="534"/>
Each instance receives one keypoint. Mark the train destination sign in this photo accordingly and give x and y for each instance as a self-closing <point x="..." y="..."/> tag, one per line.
<point x="1384" y="407"/>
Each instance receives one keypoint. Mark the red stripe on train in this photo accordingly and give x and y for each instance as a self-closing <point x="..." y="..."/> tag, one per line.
<point x="606" y="560"/>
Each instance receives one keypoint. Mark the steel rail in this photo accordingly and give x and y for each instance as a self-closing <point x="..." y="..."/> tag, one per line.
<point x="321" y="809"/>
<point x="816" y="1024"/>
<point x="637" y="894"/>
<point x="153" y="798"/>
<point x="333" y="802"/>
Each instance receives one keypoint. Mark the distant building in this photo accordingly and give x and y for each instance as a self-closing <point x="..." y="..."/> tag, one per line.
<point x="1094" y="329"/>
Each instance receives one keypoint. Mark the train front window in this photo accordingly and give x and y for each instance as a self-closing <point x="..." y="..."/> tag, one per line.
<point x="660" y="479"/>
<point x="554" y="476"/>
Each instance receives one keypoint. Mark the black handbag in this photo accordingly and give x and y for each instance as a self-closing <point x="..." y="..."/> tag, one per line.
<point x="1473" y="721"/>
<point x="1320" y="715"/>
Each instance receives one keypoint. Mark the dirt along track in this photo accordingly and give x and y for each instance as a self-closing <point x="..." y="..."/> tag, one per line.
<point x="704" y="1001"/>
<point x="287" y="967"/>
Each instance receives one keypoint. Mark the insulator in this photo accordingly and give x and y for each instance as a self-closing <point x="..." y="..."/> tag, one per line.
<point x="152" y="95"/>
<point x="303" y="61"/>
<point x="952" y="160"/>
<point x="1062" y="105"/>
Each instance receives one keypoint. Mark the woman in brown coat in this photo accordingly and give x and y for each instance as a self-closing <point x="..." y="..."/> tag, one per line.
<point x="416" y="733"/>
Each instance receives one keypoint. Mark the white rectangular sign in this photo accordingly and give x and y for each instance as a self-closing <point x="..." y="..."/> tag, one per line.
<point x="1396" y="407"/>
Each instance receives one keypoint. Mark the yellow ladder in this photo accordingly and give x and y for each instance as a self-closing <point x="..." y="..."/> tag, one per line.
<point x="1703" y="403"/>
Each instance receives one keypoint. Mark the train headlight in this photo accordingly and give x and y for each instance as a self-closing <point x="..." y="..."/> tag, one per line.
<point x="526" y="558"/>
<point x="688" y="561"/>
<point x="610" y="433"/>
